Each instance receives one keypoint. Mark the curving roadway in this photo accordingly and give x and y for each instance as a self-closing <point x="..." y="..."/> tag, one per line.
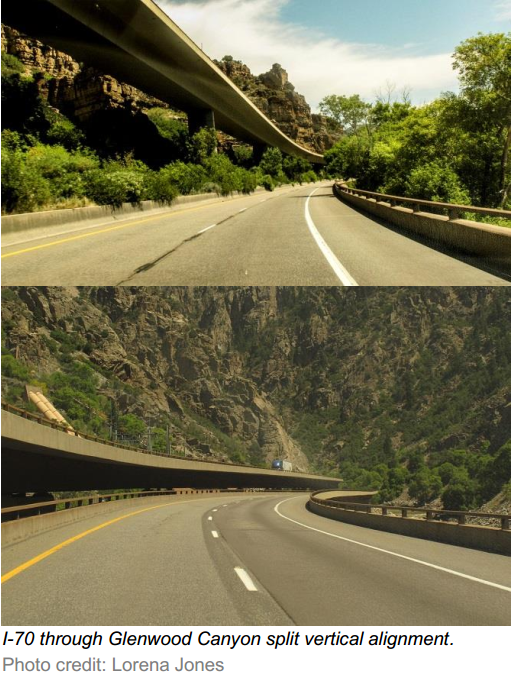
<point x="246" y="560"/>
<point x="300" y="236"/>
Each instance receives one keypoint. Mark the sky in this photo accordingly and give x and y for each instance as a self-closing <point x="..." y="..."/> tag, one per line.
<point x="343" y="47"/>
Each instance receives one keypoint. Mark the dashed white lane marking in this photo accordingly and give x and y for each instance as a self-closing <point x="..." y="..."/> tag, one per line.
<point x="210" y="517"/>
<point x="242" y="210"/>
<point x="242" y="574"/>
<point x="224" y="505"/>
<point x="392" y="553"/>
<point x="215" y="534"/>
<point x="206" y="229"/>
<point x="214" y="510"/>
<point x="340" y="271"/>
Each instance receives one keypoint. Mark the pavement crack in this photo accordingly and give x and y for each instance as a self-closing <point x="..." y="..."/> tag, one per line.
<point x="153" y="263"/>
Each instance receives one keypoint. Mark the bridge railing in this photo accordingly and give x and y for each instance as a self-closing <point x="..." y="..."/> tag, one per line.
<point x="56" y="505"/>
<point x="452" y="210"/>
<point x="428" y="514"/>
<point x="31" y="416"/>
<point x="16" y="512"/>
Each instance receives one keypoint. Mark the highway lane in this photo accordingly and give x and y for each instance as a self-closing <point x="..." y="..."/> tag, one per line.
<point x="153" y="568"/>
<point x="285" y="238"/>
<point x="320" y="579"/>
<point x="250" y="560"/>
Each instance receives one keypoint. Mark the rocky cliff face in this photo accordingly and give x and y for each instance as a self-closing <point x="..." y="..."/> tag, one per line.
<point x="77" y="91"/>
<point x="277" y="98"/>
<point x="318" y="376"/>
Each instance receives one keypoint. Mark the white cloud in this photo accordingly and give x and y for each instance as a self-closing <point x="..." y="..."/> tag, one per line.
<point x="503" y="10"/>
<point x="318" y="65"/>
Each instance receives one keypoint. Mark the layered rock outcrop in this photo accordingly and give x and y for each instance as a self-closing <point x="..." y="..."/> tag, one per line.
<point x="277" y="98"/>
<point x="76" y="90"/>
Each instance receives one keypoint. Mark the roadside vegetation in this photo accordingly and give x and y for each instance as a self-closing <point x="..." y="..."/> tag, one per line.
<point x="455" y="149"/>
<point x="49" y="162"/>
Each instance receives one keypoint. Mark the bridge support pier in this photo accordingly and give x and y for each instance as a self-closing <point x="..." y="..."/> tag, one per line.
<point x="259" y="149"/>
<point x="202" y="118"/>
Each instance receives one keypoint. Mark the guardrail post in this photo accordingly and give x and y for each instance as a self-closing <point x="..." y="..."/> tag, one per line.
<point x="462" y="519"/>
<point x="404" y="513"/>
<point x="454" y="214"/>
<point x="505" y="524"/>
<point x="429" y="515"/>
<point x="369" y="509"/>
<point x="384" y="510"/>
<point x="416" y="208"/>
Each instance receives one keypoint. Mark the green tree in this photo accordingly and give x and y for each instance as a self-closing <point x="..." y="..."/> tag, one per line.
<point x="436" y="181"/>
<point x="425" y="485"/>
<point x="271" y="162"/>
<point x="484" y="66"/>
<point x="349" y="112"/>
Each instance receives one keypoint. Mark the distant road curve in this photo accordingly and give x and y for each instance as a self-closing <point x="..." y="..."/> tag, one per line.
<point x="247" y="560"/>
<point x="293" y="237"/>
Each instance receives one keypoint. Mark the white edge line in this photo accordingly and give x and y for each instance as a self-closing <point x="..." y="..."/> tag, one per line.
<point x="215" y="534"/>
<point x="392" y="553"/>
<point x="340" y="271"/>
<point x="206" y="229"/>
<point x="242" y="574"/>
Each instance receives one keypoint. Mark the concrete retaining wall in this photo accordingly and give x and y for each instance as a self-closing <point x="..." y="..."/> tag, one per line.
<point x="481" y="538"/>
<point x="489" y="242"/>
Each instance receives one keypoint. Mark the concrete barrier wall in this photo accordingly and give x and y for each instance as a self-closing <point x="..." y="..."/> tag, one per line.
<point x="489" y="242"/>
<point x="24" y="222"/>
<point x="469" y="536"/>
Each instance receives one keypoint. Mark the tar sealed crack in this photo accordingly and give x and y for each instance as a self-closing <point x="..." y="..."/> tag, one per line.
<point x="150" y="265"/>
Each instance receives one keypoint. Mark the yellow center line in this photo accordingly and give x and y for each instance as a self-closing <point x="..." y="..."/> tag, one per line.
<point x="71" y="540"/>
<point x="111" y="229"/>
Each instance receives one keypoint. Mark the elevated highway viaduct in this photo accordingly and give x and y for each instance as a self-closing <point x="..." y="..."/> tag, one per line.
<point x="38" y="458"/>
<point x="136" y="42"/>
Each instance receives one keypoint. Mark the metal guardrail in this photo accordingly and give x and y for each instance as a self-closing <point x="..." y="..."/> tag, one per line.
<point x="427" y="514"/>
<point x="65" y="429"/>
<point x="454" y="211"/>
<point x="77" y="502"/>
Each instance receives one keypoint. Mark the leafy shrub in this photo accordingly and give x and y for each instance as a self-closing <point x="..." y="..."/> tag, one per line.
<point x="11" y="64"/>
<point x="268" y="183"/>
<point x="186" y="178"/>
<point x="271" y="162"/>
<point x="64" y="170"/>
<point x="64" y="133"/>
<point x="14" y="369"/>
<point x="202" y="145"/>
<point x="436" y="182"/>
<point x="118" y="182"/>
<point x="23" y="187"/>
<point x="159" y="188"/>
<point x="225" y="174"/>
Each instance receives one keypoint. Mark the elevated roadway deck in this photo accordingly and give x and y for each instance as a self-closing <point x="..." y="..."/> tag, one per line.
<point x="37" y="457"/>
<point x="136" y="42"/>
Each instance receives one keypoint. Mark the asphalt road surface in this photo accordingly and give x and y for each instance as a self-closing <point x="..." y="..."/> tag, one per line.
<point x="247" y="560"/>
<point x="293" y="237"/>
